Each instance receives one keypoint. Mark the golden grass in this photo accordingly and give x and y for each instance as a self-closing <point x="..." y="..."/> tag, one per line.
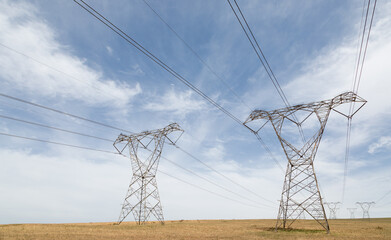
<point x="200" y="229"/>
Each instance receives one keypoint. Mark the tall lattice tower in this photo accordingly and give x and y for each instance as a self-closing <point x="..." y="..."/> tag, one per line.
<point x="365" y="206"/>
<point x="300" y="190"/>
<point x="333" y="207"/>
<point x="142" y="198"/>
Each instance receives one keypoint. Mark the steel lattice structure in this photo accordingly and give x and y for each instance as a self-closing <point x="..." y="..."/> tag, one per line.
<point x="365" y="206"/>
<point x="300" y="190"/>
<point x="142" y="198"/>
<point x="351" y="211"/>
<point x="333" y="207"/>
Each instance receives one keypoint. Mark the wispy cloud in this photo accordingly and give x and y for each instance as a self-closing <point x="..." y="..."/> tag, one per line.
<point x="382" y="143"/>
<point x="331" y="70"/>
<point x="109" y="50"/>
<point x="176" y="102"/>
<point x="22" y="30"/>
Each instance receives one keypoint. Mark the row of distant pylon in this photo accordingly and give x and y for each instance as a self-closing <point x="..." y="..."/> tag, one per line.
<point x="333" y="207"/>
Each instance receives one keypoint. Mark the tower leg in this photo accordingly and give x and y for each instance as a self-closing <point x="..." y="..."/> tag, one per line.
<point x="142" y="199"/>
<point x="282" y="212"/>
<point x="300" y="195"/>
<point x="128" y="205"/>
<point x="156" y="207"/>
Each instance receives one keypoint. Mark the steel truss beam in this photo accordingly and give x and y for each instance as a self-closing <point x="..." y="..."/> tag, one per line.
<point x="300" y="192"/>
<point x="142" y="198"/>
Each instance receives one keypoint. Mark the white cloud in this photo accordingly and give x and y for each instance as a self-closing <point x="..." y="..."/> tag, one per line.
<point x="109" y="50"/>
<point x="59" y="188"/>
<point x="179" y="103"/>
<point x="216" y="153"/>
<point x="134" y="71"/>
<point x="330" y="72"/>
<point x="22" y="29"/>
<point x="81" y="186"/>
<point x="137" y="69"/>
<point x="383" y="142"/>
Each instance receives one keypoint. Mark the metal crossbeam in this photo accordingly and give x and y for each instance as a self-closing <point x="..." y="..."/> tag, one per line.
<point x="300" y="192"/>
<point x="142" y="198"/>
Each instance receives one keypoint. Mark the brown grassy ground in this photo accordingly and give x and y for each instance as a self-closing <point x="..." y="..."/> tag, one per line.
<point x="203" y="229"/>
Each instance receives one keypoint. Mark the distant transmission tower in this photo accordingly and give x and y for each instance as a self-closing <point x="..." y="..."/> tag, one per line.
<point x="142" y="198"/>
<point x="333" y="207"/>
<point x="300" y="190"/>
<point x="365" y="208"/>
<point x="351" y="211"/>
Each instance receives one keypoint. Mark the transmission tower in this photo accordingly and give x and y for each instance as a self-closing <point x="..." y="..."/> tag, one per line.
<point x="351" y="211"/>
<point x="300" y="190"/>
<point x="365" y="208"/>
<point x="142" y="198"/>
<point x="333" y="207"/>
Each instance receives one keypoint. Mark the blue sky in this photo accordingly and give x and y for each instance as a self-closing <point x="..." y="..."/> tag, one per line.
<point x="311" y="47"/>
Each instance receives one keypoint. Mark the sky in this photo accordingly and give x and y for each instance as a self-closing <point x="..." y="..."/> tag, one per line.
<point x="55" y="54"/>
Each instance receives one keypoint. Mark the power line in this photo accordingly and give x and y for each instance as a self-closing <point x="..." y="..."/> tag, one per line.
<point x="366" y="45"/>
<point x="108" y="140"/>
<point x="347" y="152"/>
<point x="108" y="126"/>
<point x="271" y="75"/>
<point x="263" y="60"/>
<point x="62" y="112"/>
<point x="360" y="61"/>
<point x="55" y="128"/>
<point x="211" y="182"/>
<point x="211" y="192"/>
<point x="105" y="125"/>
<point x="356" y="84"/>
<point x="139" y="47"/>
<point x="116" y="153"/>
<point x="386" y="204"/>
<point x="53" y="68"/>
<point x="92" y="121"/>
<point x="382" y="197"/>
<point x="153" y="58"/>
<point x="358" y="46"/>
<point x="215" y="184"/>
<point x="269" y="151"/>
<point x="197" y="55"/>
<point x="222" y="175"/>
<point x="82" y="118"/>
<point x="56" y="143"/>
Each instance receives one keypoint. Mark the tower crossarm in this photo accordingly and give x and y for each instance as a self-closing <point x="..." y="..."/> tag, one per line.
<point x="273" y="115"/>
<point x="148" y="135"/>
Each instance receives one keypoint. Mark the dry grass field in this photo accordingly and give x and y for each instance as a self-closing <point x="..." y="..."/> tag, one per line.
<point x="200" y="229"/>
